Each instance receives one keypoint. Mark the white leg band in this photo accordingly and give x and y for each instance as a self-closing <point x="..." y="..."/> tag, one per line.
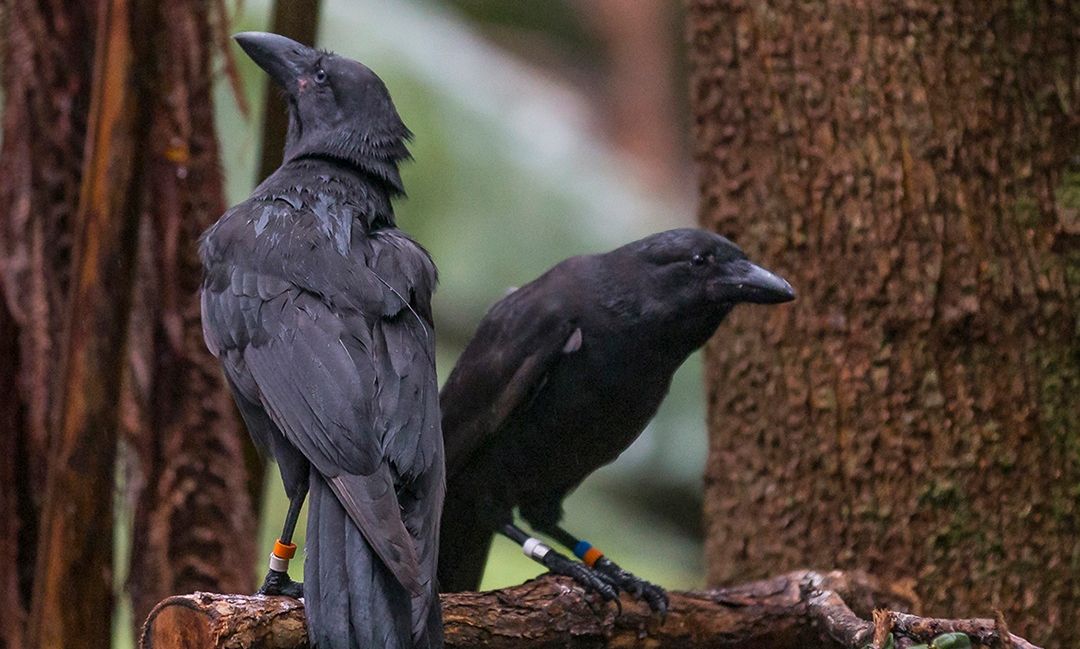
<point x="534" y="549"/>
<point x="278" y="564"/>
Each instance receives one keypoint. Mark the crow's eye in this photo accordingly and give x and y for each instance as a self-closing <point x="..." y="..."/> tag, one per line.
<point x="699" y="259"/>
<point x="320" y="76"/>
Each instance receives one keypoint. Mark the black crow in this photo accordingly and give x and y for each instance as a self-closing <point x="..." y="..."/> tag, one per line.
<point x="319" y="309"/>
<point x="561" y="376"/>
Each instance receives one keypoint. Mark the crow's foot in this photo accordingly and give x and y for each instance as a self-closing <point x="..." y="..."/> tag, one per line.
<point x="561" y="565"/>
<point x="278" y="583"/>
<point x="652" y="594"/>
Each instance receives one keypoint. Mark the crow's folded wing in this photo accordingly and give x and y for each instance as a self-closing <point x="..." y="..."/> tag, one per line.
<point x="319" y="377"/>
<point x="503" y="367"/>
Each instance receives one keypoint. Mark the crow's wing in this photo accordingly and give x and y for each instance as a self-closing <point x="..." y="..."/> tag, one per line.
<point x="505" y="364"/>
<point x="321" y="378"/>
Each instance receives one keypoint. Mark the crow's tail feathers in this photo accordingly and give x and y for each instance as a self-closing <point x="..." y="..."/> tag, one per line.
<point x="464" y="541"/>
<point x="352" y="600"/>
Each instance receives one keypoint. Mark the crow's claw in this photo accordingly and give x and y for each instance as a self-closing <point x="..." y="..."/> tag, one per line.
<point x="561" y="565"/>
<point x="278" y="583"/>
<point x="653" y="595"/>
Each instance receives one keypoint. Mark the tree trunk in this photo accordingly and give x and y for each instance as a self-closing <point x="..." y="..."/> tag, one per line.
<point x="194" y="524"/>
<point x="153" y="151"/>
<point x="911" y="168"/>
<point x="72" y="590"/>
<point x="641" y="85"/>
<point x="47" y="58"/>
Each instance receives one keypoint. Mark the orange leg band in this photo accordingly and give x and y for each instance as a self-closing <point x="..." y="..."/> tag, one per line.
<point x="284" y="550"/>
<point x="592" y="555"/>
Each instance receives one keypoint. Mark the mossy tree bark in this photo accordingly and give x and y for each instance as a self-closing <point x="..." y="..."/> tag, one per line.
<point x="912" y="168"/>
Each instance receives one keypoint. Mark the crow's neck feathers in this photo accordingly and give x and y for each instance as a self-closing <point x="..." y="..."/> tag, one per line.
<point x="375" y="147"/>
<point x="337" y="192"/>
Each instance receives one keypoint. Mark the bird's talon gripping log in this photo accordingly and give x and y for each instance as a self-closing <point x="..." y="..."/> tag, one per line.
<point x="653" y="595"/>
<point x="559" y="564"/>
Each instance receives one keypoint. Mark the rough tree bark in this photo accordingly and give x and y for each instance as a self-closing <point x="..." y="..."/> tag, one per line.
<point x="804" y="610"/>
<point x="911" y="167"/>
<point x="47" y="57"/>
<point x="194" y="525"/>
<point x="72" y="589"/>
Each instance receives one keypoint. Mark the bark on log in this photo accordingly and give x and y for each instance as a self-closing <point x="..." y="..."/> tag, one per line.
<point x="801" y="609"/>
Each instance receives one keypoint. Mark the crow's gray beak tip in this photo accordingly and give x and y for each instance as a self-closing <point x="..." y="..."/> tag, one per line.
<point x="760" y="286"/>
<point x="279" y="56"/>
<point x="246" y="39"/>
<point x="787" y="294"/>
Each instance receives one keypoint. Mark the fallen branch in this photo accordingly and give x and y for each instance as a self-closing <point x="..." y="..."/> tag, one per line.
<point x="801" y="609"/>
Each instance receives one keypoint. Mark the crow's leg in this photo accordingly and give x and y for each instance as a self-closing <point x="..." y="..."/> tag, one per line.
<point x="560" y="564"/>
<point x="610" y="571"/>
<point x="277" y="580"/>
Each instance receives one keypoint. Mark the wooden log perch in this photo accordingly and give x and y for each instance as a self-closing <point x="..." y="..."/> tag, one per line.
<point x="803" y="609"/>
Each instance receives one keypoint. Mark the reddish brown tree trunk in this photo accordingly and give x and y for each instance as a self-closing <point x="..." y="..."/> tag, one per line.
<point x="72" y="590"/>
<point x="47" y="56"/>
<point x="194" y="525"/>
<point x="911" y="167"/>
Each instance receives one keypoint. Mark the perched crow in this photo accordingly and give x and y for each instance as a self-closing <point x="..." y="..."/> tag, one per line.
<point x="319" y="309"/>
<point x="561" y="376"/>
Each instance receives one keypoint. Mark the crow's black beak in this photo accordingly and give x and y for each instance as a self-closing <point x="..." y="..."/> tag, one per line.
<point x="283" y="58"/>
<point x="748" y="282"/>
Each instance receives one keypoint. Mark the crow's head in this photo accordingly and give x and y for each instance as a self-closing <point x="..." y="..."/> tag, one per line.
<point x="338" y="108"/>
<point x="689" y="272"/>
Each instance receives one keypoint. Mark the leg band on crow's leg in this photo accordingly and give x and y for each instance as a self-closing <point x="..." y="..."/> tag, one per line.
<point x="277" y="580"/>
<point x="610" y="571"/>
<point x="561" y="564"/>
